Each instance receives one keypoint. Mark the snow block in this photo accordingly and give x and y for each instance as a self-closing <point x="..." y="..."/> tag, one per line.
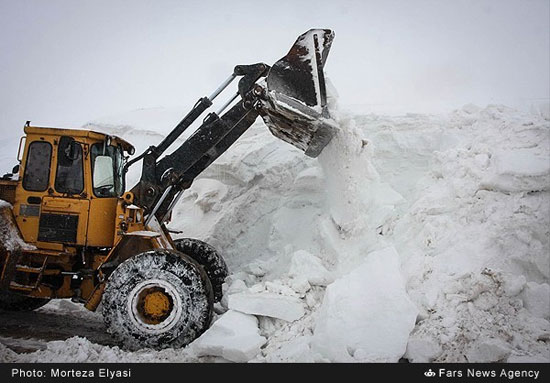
<point x="306" y="265"/>
<point x="366" y="315"/>
<point x="512" y="285"/>
<point x="527" y="359"/>
<point x="420" y="350"/>
<point x="296" y="350"/>
<point x="521" y="170"/>
<point x="234" y="336"/>
<point x="488" y="351"/>
<point x="267" y="304"/>
<point x="536" y="299"/>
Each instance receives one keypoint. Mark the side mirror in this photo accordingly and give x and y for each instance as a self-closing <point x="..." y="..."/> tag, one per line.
<point x="67" y="151"/>
<point x="103" y="172"/>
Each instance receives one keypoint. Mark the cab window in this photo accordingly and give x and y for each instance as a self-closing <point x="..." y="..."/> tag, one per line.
<point x="69" y="176"/>
<point x="37" y="168"/>
<point x="107" y="165"/>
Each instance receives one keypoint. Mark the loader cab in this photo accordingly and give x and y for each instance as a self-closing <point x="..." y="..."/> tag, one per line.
<point x="71" y="181"/>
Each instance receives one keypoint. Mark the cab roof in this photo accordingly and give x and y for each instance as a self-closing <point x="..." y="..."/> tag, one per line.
<point x="93" y="135"/>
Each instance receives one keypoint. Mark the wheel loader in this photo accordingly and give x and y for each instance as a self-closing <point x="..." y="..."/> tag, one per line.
<point x="69" y="228"/>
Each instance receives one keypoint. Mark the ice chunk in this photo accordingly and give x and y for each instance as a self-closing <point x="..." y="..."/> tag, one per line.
<point x="367" y="310"/>
<point x="471" y="108"/>
<point x="306" y="265"/>
<point x="536" y="299"/>
<point x="209" y="193"/>
<point x="234" y="336"/>
<point x="310" y="179"/>
<point x="488" y="351"/>
<point x="295" y="351"/>
<point x="520" y="170"/>
<point x="422" y="350"/>
<point x="232" y="287"/>
<point x="527" y="359"/>
<point x="267" y="304"/>
<point x="300" y="285"/>
<point x="512" y="285"/>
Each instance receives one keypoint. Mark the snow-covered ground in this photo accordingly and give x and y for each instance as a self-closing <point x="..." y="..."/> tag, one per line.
<point x="413" y="236"/>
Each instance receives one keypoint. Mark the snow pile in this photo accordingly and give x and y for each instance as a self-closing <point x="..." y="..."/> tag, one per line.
<point x="320" y="224"/>
<point x="460" y="197"/>
<point x="415" y="236"/>
<point x="478" y="318"/>
<point x="81" y="350"/>
<point x="476" y="233"/>
<point x="366" y="315"/>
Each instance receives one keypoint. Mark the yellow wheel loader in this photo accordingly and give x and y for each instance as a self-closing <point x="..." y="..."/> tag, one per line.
<point x="69" y="228"/>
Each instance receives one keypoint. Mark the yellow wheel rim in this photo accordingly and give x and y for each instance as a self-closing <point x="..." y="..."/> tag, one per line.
<point x="154" y="305"/>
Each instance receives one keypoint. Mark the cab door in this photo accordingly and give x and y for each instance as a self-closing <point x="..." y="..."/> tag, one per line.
<point x="36" y="172"/>
<point x="64" y="212"/>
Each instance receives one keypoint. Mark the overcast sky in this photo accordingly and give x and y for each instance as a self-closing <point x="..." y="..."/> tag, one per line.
<point x="66" y="62"/>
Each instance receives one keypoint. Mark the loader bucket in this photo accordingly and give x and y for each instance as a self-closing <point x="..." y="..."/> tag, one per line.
<point x="296" y="110"/>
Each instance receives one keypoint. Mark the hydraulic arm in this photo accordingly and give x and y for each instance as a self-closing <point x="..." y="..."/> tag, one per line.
<point x="291" y="101"/>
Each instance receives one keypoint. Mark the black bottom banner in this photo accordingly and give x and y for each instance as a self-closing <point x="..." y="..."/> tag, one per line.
<point x="377" y="372"/>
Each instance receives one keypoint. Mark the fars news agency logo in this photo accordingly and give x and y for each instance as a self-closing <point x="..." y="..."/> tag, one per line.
<point x="429" y="373"/>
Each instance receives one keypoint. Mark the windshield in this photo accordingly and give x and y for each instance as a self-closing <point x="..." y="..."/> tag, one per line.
<point x="114" y="187"/>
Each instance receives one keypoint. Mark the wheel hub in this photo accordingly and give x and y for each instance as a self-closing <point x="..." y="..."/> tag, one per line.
<point x="154" y="305"/>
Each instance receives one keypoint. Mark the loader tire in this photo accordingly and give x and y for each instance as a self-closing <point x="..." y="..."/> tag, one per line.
<point x="157" y="299"/>
<point x="14" y="302"/>
<point x="207" y="257"/>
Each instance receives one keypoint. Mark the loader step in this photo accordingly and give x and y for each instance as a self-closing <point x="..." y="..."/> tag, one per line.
<point x="28" y="269"/>
<point x="20" y="287"/>
<point x="35" y="270"/>
<point x="44" y="252"/>
<point x="28" y="276"/>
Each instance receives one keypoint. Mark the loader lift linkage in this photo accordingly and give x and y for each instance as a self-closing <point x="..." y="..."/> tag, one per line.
<point x="70" y="230"/>
<point x="163" y="181"/>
